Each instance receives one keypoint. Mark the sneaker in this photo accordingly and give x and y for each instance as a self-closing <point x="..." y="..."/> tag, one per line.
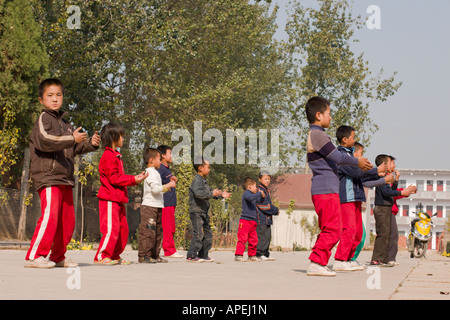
<point x="343" y="266"/>
<point x="161" y="260"/>
<point x="123" y="262"/>
<point x="106" y="262"/>
<point x="316" y="269"/>
<point x="196" y="259"/>
<point x="175" y="255"/>
<point x="264" y="258"/>
<point x="380" y="264"/>
<point x="254" y="259"/>
<point x="393" y="263"/>
<point x="66" y="263"/>
<point x="40" y="262"/>
<point x="146" y="260"/>
<point x="239" y="258"/>
<point x="357" y="265"/>
<point x="208" y="259"/>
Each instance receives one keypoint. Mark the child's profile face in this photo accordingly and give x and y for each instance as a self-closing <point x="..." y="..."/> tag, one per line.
<point x="155" y="162"/>
<point x="119" y="142"/>
<point x="359" y="152"/>
<point x="264" y="180"/>
<point x="350" y="141"/>
<point x="167" y="158"/>
<point x="391" y="165"/>
<point x="252" y="188"/>
<point x="52" y="97"/>
<point x="324" y="119"/>
<point x="204" y="169"/>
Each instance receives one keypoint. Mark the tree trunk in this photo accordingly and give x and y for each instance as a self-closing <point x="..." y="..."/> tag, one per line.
<point x="21" y="229"/>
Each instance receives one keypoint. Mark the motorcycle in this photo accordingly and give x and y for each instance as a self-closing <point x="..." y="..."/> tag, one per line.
<point x="420" y="234"/>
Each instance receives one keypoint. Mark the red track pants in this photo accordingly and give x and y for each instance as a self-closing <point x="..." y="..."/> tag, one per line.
<point x="114" y="229"/>
<point x="168" y="226"/>
<point x="351" y="230"/>
<point x="247" y="233"/>
<point x="328" y="209"/>
<point x="55" y="227"/>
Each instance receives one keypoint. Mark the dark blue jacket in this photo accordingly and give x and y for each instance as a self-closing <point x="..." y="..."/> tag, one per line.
<point x="170" y="197"/>
<point x="265" y="208"/>
<point x="249" y="200"/>
<point x="351" y="180"/>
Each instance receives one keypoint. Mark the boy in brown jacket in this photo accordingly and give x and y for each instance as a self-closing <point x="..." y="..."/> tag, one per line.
<point x="53" y="145"/>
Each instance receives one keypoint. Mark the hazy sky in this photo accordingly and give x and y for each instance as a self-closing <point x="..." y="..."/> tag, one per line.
<point x="414" y="41"/>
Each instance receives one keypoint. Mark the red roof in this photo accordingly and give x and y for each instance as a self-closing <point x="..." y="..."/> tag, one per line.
<point x="293" y="186"/>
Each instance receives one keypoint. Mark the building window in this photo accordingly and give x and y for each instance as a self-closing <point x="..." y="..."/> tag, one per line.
<point x="429" y="185"/>
<point x="402" y="183"/>
<point x="405" y="210"/>
<point x="439" y="210"/>
<point x="420" y="185"/>
<point x="440" y="185"/>
<point x="447" y="212"/>
<point x="429" y="210"/>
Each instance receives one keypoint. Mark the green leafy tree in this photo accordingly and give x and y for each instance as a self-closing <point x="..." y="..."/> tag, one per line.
<point x="324" y="64"/>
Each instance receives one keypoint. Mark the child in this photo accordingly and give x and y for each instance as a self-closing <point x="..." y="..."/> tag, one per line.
<point x="170" y="203"/>
<point x="323" y="157"/>
<point x="199" y="194"/>
<point x="150" y="231"/>
<point x="112" y="195"/>
<point x="265" y="210"/>
<point x="53" y="145"/>
<point x="393" y="237"/>
<point x="361" y="232"/>
<point x="382" y="213"/>
<point x="247" y="223"/>
<point x="351" y="194"/>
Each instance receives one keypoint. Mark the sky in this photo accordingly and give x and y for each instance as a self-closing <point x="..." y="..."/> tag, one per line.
<point x="413" y="40"/>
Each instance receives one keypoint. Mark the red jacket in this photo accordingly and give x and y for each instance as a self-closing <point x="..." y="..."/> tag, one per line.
<point x="114" y="181"/>
<point x="395" y="206"/>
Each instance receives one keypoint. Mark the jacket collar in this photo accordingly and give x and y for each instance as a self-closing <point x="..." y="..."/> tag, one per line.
<point x="116" y="153"/>
<point x="350" y="150"/>
<point x="316" y="127"/>
<point x="55" y="113"/>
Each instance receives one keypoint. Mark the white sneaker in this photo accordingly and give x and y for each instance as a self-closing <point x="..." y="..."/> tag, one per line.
<point x="316" y="269"/>
<point x="175" y="255"/>
<point x="357" y="265"/>
<point x="66" y="263"/>
<point x="264" y="258"/>
<point x="343" y="266"/>
<point x="40" y="262"/>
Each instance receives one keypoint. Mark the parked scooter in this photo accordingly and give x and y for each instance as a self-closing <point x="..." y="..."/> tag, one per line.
<point x="420" y="234"/>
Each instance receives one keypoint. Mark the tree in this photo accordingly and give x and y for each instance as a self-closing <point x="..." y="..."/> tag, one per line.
<point x="324" y="64"/>
<point x="23" y="64"/>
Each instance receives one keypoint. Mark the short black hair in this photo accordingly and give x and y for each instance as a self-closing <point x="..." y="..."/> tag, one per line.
<point x="163" y="148"/>
<point x="198" y="162"/>
<point x="392" y="158"/>
<point x="381" y="158"/>
<point x="47" y="83"/>
<point x="248" y="182"/>
<point x="150" y="153"/>
<point x="110" y="133"/>
<point x="314" y="105"/>
<point x="264" y="173"/>
<point x="358" y="146"/>
<point x="344" y="132"/>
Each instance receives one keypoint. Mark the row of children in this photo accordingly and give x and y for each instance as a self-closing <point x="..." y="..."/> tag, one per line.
<point x="339" y="177"/>
<point x="53" y="146"/>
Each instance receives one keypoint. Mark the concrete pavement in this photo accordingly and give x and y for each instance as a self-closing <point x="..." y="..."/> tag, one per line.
<point x="224" y="279"/>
